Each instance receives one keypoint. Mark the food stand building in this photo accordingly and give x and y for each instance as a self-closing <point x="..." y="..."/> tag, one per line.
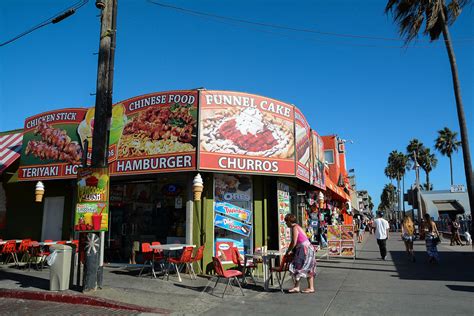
<point x="258" y="157"/>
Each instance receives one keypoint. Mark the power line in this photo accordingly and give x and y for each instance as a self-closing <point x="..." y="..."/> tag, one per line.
<point x="288" y="28"/>
<point x="52" y="20"/>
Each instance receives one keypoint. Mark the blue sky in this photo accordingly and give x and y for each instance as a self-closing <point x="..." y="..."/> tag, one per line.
<point x="370" y="91"/>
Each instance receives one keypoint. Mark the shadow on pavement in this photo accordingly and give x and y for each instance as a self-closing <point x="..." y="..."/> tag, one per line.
<point x="463" y="288"/>
<point x="453" y="266"/>
<point x="25" y="281"/>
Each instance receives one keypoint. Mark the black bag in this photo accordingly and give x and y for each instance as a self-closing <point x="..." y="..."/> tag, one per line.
<point x="436" y="239"/>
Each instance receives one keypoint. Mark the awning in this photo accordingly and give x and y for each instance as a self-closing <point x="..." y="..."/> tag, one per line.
<point x="448" y="206"/>
<point x="10" y="147"/>
<point x="338" y="191"/>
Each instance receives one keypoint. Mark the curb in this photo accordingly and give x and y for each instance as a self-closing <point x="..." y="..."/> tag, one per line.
<point x="78" y="299"/>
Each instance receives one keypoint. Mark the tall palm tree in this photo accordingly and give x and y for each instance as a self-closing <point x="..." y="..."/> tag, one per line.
<point x="446" y="143"/>
<point x="428" y="162"/>
<point x="409" y="15"/>
<point x="396" y="168"/>
<point x="387" y="198"/>
<point x="414" y="148"/>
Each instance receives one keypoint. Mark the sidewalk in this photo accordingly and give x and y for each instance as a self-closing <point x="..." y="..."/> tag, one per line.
<point x="365" y="286"/>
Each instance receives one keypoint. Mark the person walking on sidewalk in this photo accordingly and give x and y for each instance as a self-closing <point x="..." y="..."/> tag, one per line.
<point x="431" y="239"/>
<point x="304" y="262"/>
<point x="408" y="236"/>
<point x="382" y="228"/>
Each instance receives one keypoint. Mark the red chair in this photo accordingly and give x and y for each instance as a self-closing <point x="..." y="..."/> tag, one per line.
<point x="23" y="250"/>
<point x="61" y="242"/>
<point x="197" y="258"/>
<point x="246" y="267"/>
<point x="283" y="267"/>
<point x="148" y="256"/>
<point x="226" y="274"/>
<point x="9" y="250"/>
<point x="185" y="259"/>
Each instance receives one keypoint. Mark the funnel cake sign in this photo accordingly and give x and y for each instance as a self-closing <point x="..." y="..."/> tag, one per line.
<point x="246" y="133"/>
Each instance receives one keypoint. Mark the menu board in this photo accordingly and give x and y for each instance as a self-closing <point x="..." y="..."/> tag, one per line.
<point x="303" y="146"/>
<point x="52" y="148"/>
<point x="246" y="133"/>
<point x="155" y="133"/>
<point x="233" y="221"/>
<point x="92" y="212"/>
<point x="341" y="241"/>
<point x="284" y="233"/>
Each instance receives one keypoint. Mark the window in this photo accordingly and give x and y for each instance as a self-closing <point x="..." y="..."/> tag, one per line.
<point x="329" y="156"/>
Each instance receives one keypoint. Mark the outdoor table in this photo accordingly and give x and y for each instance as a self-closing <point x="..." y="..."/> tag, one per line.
<point x="267" y="258"/>
<point x="169" y="248"/>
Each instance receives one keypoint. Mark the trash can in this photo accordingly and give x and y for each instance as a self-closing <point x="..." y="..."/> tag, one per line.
<point x="60" y="267"/>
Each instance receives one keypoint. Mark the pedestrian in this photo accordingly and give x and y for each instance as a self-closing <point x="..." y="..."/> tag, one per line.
<point x="303" y="264"/>
<point x="408" y="236"/>
<point x="360" y="236"/>
<point x="455" y="237"/>
<point x="431" y="239"/>
<point x="381" y="233"/>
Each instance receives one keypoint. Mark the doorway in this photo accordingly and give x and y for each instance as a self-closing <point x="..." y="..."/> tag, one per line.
<point x="53" y="218"/>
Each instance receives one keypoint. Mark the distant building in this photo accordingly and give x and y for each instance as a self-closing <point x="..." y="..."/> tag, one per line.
<point x="445" y="202"/>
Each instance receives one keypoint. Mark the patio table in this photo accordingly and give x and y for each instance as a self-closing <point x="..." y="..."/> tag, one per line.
<point x="169" y="248"/>
<point x="267" y="258"/>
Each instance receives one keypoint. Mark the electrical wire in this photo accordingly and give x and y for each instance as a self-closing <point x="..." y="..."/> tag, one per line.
<point x="54" y="19"/>
<point x="288" y="28"/>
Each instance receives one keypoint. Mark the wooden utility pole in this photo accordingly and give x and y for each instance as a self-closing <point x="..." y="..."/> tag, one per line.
<point x="100" y="137"/>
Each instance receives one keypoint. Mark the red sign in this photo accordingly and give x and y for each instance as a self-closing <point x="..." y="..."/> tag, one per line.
<point x="303" y="146"/>
<point x="158" y="135"/>
<point x="247" y="133"/>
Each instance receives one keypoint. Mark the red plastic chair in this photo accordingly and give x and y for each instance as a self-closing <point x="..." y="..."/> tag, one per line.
<point x="283" y="267"/>
<point x="185" y="259"/>
<point x="246" y="267"/>
<point x="197" y="258"/>
<point x="23" y="250"/>
<point x="148" y="256"/>
<point x="226" y="274"/>
<point x="61" y="242"/>
<point x="9" y="250"/>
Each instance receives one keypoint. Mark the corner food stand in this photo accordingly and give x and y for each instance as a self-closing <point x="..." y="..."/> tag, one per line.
<point x="254" y="153"/>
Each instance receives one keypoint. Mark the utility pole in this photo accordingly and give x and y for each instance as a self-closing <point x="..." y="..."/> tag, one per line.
<point x="93" y="269"/>
<point x="418" y="197"/>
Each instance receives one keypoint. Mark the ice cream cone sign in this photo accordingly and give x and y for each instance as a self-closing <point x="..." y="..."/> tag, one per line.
<point x="197" y="187"/>
<point x="39" y="191"/>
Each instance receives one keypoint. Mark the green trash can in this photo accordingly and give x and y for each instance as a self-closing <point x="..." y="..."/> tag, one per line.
<point x="60" y="267"/>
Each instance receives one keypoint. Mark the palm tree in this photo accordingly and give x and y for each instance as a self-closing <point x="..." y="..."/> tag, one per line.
<point x="414" y="148"/>
<point x="387" y="198"/>
<point x="409" y="15"/>
<point x="428" y="162"/>
<point x="446" y="144"/>
<point x="396" y="168"/>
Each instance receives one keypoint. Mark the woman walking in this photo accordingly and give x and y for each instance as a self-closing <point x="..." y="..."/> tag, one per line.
<point x="408" y="236"/>
<point x="304" y="262"/>
<point x="431" y="239"/>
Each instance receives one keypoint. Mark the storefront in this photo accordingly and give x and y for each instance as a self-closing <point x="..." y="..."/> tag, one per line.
<point x="258" y="157"/>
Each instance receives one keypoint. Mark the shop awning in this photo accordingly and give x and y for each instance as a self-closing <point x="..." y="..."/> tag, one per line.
<point x="448" y="206"/>
<point x="10" y="147"/>
<point x="338" y="191"/>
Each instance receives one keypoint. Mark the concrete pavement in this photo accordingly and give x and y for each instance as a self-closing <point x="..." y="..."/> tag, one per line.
<point x="365" y="286"/>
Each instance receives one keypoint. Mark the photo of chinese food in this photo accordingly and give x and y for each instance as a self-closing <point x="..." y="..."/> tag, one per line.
<point x="334" y="232"/>
<point x="55" y="144"/>
<point x="347" y="248"/>
<point x="347" y="232"/>
<point x="246" y="131"/>
<point x="334" y="248"/>
<point x="159" y="130"/>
